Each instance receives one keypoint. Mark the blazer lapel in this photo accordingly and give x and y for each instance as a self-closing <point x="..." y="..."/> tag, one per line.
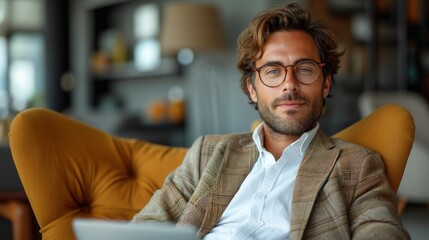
<point x="237" y="162"/>
<point x="315" y="168"/>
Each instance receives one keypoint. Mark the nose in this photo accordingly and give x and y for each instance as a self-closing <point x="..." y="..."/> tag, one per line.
<point x="290" y="84"/>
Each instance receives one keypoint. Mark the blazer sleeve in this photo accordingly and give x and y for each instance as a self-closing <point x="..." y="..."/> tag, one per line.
<point x="373" y="208"/>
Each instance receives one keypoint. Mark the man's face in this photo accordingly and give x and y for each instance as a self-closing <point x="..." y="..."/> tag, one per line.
<point x="291" y="108"/>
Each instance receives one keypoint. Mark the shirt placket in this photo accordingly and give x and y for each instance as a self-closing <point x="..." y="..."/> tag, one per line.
<point x="258" y="201"/>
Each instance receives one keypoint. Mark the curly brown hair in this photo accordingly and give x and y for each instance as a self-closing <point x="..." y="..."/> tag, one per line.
<point x="291" y="17"/>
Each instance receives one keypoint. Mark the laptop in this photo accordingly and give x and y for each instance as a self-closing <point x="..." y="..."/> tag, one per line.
<point x="94" y="229"/>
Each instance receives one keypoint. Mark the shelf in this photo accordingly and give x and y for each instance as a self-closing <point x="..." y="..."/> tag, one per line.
<point x="127" y="71"/>
<point x="166" y="133"/>
<point x="94" y="4"/>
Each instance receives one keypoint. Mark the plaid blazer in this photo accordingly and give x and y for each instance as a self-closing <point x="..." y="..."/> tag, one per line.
<point x="341" y="190"/>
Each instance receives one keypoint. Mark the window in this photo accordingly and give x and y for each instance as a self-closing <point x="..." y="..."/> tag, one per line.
<point x="26" y="72"/>
<point x="22" y="63"/>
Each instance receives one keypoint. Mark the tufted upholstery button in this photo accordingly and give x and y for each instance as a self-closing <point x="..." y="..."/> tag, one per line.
<point x="85" y="209"/>
<point x="132" y="175"/>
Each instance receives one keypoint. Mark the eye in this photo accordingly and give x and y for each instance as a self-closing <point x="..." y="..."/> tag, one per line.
<point x="306" y="68"/>
<point x="272" y="70"/>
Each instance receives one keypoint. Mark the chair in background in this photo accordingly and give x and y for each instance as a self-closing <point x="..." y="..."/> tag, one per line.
<point x="69" y="169"/>
<point x="413" y="188"/>
<point x="14" y="207"/>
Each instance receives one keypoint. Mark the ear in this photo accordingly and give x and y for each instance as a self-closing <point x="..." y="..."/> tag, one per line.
<point x="327" y="86"/>
<point x="251" y="90"/>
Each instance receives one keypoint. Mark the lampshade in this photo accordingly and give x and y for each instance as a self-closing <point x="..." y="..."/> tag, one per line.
<point x="191" y="25"/>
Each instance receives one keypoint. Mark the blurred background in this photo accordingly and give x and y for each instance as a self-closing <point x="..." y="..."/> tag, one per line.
<point x="164" y="71"/>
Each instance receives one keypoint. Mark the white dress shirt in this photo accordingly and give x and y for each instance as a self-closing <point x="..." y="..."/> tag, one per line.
<point x="261" y="209"/>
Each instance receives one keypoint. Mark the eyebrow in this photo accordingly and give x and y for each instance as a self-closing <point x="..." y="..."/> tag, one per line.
<point x="295" y="62"/>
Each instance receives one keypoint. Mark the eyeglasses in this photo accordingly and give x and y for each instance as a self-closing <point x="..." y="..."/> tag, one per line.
<point x="274" y="74"/>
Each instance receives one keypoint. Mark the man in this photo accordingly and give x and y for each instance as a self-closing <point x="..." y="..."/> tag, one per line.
<point x="287" y="180"/>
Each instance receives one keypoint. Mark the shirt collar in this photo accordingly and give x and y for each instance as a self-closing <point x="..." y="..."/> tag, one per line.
<point x="303" y="142"/>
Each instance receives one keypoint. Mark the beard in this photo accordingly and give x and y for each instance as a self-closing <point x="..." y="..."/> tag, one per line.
<point x="293" y="126"/>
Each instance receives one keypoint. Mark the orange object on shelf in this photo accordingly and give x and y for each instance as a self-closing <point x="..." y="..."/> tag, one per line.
<point x="157" y="111"/>
<point x="176" y="111"/>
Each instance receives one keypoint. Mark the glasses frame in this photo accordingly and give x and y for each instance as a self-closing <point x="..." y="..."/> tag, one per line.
<point x="319" y="65"/>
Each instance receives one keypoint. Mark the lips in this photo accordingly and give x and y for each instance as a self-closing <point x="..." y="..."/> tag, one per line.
<point x="290" y="104"/>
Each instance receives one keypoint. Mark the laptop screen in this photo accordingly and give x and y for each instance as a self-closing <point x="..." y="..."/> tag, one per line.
<point x="93" y="229"/>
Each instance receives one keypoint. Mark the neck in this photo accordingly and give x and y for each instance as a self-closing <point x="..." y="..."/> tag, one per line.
<point x="275" y="142"/>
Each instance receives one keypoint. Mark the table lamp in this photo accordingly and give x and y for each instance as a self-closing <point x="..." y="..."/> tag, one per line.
<point x="189" y="28"/>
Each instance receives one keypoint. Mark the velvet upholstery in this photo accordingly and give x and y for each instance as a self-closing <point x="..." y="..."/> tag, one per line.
<point x="70" y="170"/>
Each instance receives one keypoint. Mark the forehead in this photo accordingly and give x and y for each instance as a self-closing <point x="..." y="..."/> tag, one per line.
<point x="289" y="47"/>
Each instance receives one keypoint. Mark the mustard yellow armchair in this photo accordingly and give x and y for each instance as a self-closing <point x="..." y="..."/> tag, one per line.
<point x="69" y="169"/>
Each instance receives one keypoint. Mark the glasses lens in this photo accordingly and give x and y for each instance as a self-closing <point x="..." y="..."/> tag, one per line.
<point x="306" y="72"/>
<point x="272" y="75"/>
